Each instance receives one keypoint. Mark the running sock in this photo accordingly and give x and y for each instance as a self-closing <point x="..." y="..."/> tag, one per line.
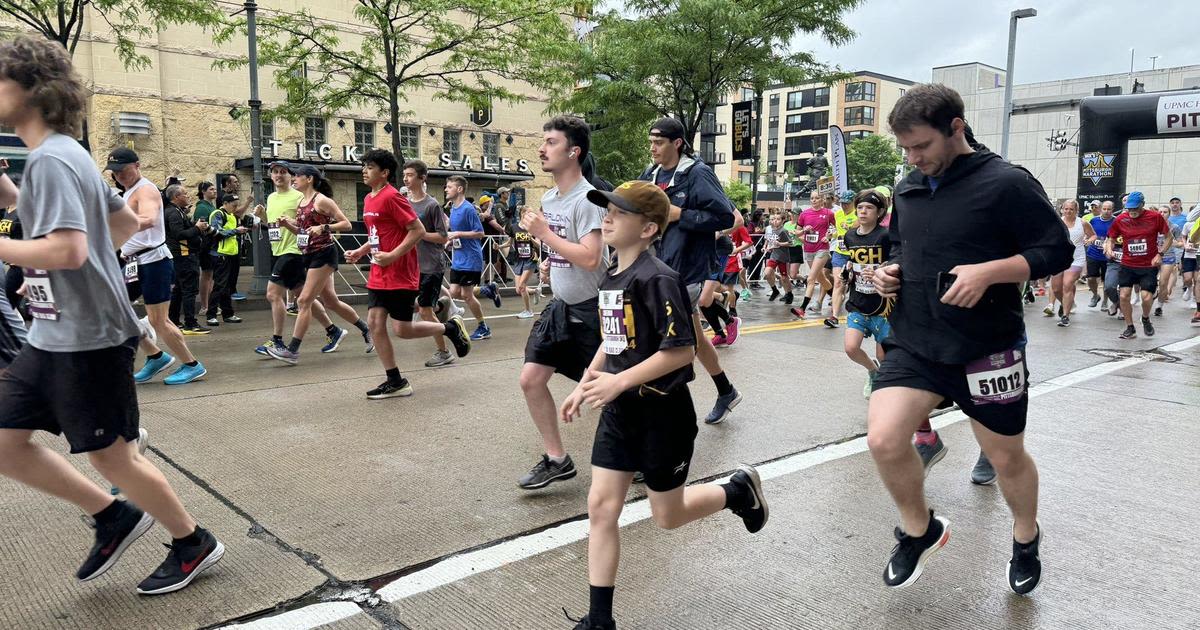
<point x="331" y="330"/>
<point x="713" y="319"/>
<point x="449" y="330"/>
<point x="393" y="375"/>
<point x="294" y="345"/>
<point x="724" y="387"/>
<point x="110" y="513"/>
<point x="277" y="339"/>
<point x="192" y="363"/>
<point x="804" y="304"/>
<point x="735" y="496"/>
<point x="361" y="326"/>
<point x="558" y="460"/>
<point x="191" y="539"/>
<point x="600" y="610"/>
<point x="927" y="437"/>
<point x="156" y="356"/>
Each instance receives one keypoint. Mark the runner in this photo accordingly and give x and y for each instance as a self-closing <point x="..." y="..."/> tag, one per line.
<point x="742" y="243"/>
<point x="969" y="227"/>
<point x="75" y="376"/>
<point x="527" y="250"/>
<point x="813" y="226"/>
<point x="316" y="219"/>
<point x="1188" y="264"/>
<point x="466" y="267"/>
<point x="1097" y="263"/>
<point x="393" y="233"/>
<point x="640" y="378"/>
<point x="1140" y="258"/>
<point x="149" y="272"/>
<point x="287" y="264"/>
<point x="565" y="337"/>
<point x="844" y="218"/>
<point x="723" y="324"/>
<point x="1171" y="257"/>
<point x="778" y="239"/>
<point x="699" y="208"/>
<point x="1063" y="284"/>
<point x="431" y="254"/>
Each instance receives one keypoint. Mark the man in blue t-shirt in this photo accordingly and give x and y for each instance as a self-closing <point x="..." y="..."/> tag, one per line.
<point x="1097" y="263"/>
<point x="466" y="243"/>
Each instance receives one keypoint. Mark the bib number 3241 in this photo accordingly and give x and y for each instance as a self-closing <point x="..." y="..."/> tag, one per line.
<point x="612" y="322"/>
<point x="997" y="378"/>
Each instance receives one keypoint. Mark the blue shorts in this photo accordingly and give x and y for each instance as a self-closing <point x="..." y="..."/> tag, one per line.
<point x="154" y="282"/>
<point x="840" y="260"/>
<point x="1171" y="258"/>
<point x="876" y="326"/>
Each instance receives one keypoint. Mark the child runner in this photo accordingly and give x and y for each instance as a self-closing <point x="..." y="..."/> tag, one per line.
<point x="777" y="243"/>
<point x="527" y="252"/>
<point x="639" y="376"/>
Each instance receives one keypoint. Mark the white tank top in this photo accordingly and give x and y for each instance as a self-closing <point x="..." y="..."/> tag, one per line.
<point x="1076" y="233"/>
<point x="149" y="237"/>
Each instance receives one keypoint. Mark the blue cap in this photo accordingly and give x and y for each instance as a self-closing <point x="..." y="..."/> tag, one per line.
<point x="846" y="196"/>
<point x="1135" y="199"/>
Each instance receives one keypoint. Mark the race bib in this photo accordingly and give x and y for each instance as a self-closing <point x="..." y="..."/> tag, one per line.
<point x="1138" y="247"/>
<point x="861" y="284"/>
<point x="274" y="232"/>
<point x="612" y="321"/>
<point x="812" y="237"/>
<point x="524" y="250"/>
<point x="557" y="260"/>
<point x="456" y="243"/>
<point x="131" y="271"/>
<point x="40" y="295"/>
<point x="302" y="239"/>
<point x="997" y="378"/>
<point x="373" y="244"/>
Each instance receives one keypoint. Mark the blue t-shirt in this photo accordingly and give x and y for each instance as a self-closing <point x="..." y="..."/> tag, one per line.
<point x="934" y="182"/>
<point x="1096" y="252"/>
<point x="468" y="252"/>
<point x="1177" y="221"/>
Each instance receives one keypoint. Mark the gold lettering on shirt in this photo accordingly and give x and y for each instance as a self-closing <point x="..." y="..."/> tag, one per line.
<point x="670" y="322"/>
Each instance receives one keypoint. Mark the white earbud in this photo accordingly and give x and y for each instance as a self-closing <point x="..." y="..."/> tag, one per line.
<point x="572" y="156"/>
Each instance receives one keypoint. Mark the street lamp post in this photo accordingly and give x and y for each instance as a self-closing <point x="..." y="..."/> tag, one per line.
<point x="1008" y="76"/>
<point x="262" y="247"/>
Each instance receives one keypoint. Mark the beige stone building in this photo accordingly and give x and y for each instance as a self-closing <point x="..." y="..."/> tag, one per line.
<point x="181" y="114"/>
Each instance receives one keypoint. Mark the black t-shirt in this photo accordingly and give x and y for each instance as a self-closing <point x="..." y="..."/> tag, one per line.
<point x="866" y="251"/>
<point x="724" y="246"/>
<point x="645" y="309"/>
<point x="10" y="225"/>
<point x="524" y="246"/>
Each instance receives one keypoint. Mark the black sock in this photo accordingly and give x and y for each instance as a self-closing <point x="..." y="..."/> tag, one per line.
<point x="804" y="304"/>
<point x="393" y="376"/>
<point x="710" y="315"/>
<point x="450" y="330"/>
<point x="294" y="346"/>
<point x="735" y="495"/>
<point x="192" y="363"/>
<point x="110" y="513"/>
<point x="600" y="609"/>
<point x="719" y="309"/>
<point x="331" y="329"/>
<point x="361" y="326"/>
<point x="154" y="357"/>
<point x="723" y="384"/>
<point x="277" y="339"/>
<point x="191" y="539"/>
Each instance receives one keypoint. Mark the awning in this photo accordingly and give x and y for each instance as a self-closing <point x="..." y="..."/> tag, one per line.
<point x="344" y="167"/>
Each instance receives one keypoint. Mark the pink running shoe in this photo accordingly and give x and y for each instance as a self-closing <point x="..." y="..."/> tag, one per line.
<point x="719" y="341"/>
<point x="731" y="330"/>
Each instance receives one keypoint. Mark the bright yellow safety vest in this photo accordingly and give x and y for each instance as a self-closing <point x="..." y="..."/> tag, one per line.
<point x="229" y="245"/>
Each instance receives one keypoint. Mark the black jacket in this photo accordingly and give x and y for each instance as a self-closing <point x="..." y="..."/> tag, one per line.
<point x="181" y="229"/>
<point x="984" y="209"/>
<point x="688" y="245"/>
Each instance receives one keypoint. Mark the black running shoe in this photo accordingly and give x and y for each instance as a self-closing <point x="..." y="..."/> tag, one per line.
<point x="1095" y="300"/>
<point x="774" y="294"/>
<point x="1130" y="332"/>
<point x="754" y="515"/>
<point x="1064" y="321"/>
<point x="183" y="564"/>
<point x="1025" y="568"/>
<point x="460" y="337"/>
<point x="983" y="474"/>
<point x="788" y="297"/>
<point x="587" y="624"/>
<point x="112" y="539"/>
<point x="1158" y="311"/>
<point x="831" y="322"/>
<point x="388" y="389"/>
<point x="1147" y="327"/>
<point x="931" y="453"/>
<point x="546" y="472"/>
<point x="910" y="554"/>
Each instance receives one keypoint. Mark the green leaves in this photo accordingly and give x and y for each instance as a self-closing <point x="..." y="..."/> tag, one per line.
<point x="872" y="161"/>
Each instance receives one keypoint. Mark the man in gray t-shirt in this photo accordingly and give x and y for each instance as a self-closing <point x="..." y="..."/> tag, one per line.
<point x="571" y="216"/>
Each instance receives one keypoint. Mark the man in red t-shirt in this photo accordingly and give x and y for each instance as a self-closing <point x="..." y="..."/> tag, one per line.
<point x="393" y="231"/>
<point x="1138" y="232"/>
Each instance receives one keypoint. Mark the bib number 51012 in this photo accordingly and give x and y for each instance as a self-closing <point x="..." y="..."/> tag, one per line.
<point x="997" y="378"/>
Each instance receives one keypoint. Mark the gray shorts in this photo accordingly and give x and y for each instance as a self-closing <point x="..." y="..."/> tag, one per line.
<point x="811" y="257"/>
<point x="693" y="291"/>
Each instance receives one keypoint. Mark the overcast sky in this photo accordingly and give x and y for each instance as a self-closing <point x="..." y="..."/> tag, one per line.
<point x="1068" y="38"/>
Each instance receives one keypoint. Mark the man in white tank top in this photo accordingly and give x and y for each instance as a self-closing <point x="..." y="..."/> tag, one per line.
<point x="149" y="272"/>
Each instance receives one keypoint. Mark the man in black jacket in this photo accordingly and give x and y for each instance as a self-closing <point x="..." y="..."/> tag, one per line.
<point x="185" y="240"/>
<point x="967" y="229"/>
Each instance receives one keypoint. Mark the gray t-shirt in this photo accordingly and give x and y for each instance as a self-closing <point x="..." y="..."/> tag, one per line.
<point x="431" y="255"/>
<point x="572" y="217"/>
<point x="78" y="309"/>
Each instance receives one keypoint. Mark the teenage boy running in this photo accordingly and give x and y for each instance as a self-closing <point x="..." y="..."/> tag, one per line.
<point x="466" y="241"/>
<point x="639" y="377"/>
<point x="431" y="252"/>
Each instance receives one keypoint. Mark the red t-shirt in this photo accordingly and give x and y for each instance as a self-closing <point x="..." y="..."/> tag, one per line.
<point x="739" y="236"/>
<point x="387" y="215"/>
<point x="1139" y="237"/>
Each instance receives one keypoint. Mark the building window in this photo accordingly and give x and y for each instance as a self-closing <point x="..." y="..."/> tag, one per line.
<point x="811" y="121"/>
<point x="805" y="144"/>
<point x="795" y="166"/>
<point x="491" y="146"/>
<point x="864" y="115"/>
<point x="820" y="97"/>
<point x="860" y="91"/>
<point x="266" y="125"/>
<point x="814" y="142"/>
<point x="364" y="136"/>
<point x="795" y="123"/>
<point x="314" y="134"/>
<point x="771" y="165"/>
<point x="820" y="120"/>
<point x="857" y="135"/>
<point x="773" y="122"/>
<point x="408" y="140"/>
<point x="746" y="177"/>
<point x="775" y="99"/>
<point x="451" y="144"/>
<point x="792" y="146"/>
<point x="795" y="100"/>
<point x="747" y="94"/>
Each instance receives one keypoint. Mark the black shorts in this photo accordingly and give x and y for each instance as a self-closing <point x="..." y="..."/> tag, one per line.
<point x="729" y="278"/>
<point x="1096" y="268"/>
<point x="1189" y="265"/>
<point x="570" y="355"/>
<point x="326" y="257"/>
<point x="399" y="303"/>
<point x="901" y="368"/>
<point x="1144" y="277"/>
<point x="651" y="433"/>
<point x="88" y="396"/>
<point x="154" y="282"/>
<point x="429" y="290"/>
<point x="206" y="260"/>
<point x="796" y="255"/>
<point x="465" y="278"/>
<point x="524" y="264"/>
<point x="288" y="270"/>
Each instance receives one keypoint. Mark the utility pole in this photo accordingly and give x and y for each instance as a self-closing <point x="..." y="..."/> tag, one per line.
<point x="1008" y="75"/>
<point x="262" y="247"/>
<point x="754" y="146"/>
<point x="1153" y="62"/>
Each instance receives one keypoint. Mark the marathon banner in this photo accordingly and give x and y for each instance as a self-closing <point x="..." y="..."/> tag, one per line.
<point x="837" y="158"/>
<point x="743" y="125"/>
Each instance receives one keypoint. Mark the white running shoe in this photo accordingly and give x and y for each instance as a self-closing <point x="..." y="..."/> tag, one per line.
<point x="525" y="315"/>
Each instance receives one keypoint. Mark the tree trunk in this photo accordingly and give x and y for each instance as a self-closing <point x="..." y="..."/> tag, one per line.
<point x="394" y="119"/>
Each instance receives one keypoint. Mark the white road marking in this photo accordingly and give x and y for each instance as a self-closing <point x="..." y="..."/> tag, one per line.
<point x="461" y="567"/>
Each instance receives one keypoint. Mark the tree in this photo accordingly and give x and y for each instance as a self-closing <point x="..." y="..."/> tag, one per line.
<point x="459" y="50"/>
<point x="679" y="57"/>
<point x="622" y="149"/>
<point x="62" y="21"/>
<point x="738" y="193"/>
<point x="872" y="161"/>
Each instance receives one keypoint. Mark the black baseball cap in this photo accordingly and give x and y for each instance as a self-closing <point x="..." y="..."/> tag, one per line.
<point x="120" y="158"/>
<point x="282" y="164"/>
<point x="308" y="170"/>
<point x="668" y="128"/>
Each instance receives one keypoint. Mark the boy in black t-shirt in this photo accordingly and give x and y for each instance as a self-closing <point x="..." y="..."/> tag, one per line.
<point x="526" y="252"/>
<point x="639" y="376"/>
<point x="868" y="247"/>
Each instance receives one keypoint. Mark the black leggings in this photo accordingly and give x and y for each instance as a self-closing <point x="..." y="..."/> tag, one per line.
<point x="225" y="278"/>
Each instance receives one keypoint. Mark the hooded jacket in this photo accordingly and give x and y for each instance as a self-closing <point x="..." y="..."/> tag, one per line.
<point x="688" y="245"/>
<point x="984" y="209"/>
